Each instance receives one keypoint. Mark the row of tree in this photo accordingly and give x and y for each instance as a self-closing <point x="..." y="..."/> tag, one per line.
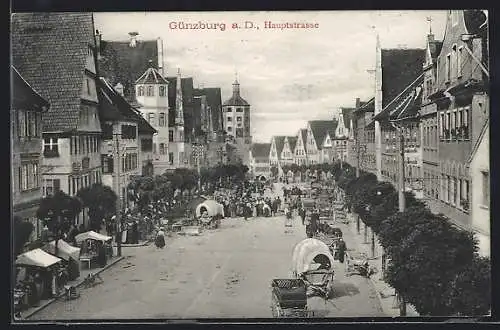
<point x="433" y="265"/>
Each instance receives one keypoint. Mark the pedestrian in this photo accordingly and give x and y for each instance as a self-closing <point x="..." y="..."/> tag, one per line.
<point x="302" y="214"/>
<point x="341" y="248"/>
<point x="160" y="239"/>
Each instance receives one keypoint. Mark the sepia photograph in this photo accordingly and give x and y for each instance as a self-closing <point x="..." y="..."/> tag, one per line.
<point x="250" y="165"/>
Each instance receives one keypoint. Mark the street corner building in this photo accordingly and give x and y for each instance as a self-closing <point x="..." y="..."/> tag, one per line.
<point x="55" y="54"/>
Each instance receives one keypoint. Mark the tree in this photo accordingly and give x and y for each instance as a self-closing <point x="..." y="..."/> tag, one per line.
<point x="101" y="202"/>
<point x="426" y="254"/>
<point x="22" y="233"/>
<point x="469" y="293"/>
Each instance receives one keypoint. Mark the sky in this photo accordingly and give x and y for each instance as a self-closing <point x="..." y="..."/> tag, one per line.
<point x="289" y="76"/>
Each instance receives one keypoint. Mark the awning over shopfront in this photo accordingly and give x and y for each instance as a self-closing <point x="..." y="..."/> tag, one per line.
<point x="37" y="258"/>
<point x="64" y="250"/>
<point x="92" y="235"/>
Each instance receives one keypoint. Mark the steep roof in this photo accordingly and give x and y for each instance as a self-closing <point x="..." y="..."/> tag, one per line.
<point x="292" y="142"/>
<point x="120" y="63"/>
<point x="113" y="106"/>
<point x="236" y="100"/>
<point x="303" y="135"/>
<point x="151" y="77"/>
<point x="319" y="129"/>
<point x="368" y="106"/>
<point x="280" y="143"/>
<point x="261" y="150"/>
<point x="214" y="101"/>
<point x="24" y="96"/>
<point x="49" y="50"/>
<point x="346" y="116"/>
<point x="400" y="67"/>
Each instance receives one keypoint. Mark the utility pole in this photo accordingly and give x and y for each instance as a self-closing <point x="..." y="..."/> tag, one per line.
<point x="401" y="196"/>
<point x="117" y="182"/>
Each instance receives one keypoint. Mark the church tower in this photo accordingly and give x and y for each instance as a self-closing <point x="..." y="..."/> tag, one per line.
<point x="236" y="120"/>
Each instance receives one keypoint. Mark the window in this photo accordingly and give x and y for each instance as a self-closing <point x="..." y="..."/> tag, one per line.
<point x="170" y="135"/>
<point x="485" y="177"/>
<point x="448" y="125"/>
<point x="459" y="61"/>
<point x="229" y="119"/>
<point x="448" y="188"/>
<point x="87" y="80"/>
<point x="151" y="118"/>
<point x="229" y="110"/>
<point x="27" y="124"/>
<point x="150" y="91"/>
<point x="107" y="164"/>
<point x="140" y="91"/>
<point x="162" y="91"/>
<point x="229" y="129"/>
<point x="448" y="68"/>
<point x="162" y="119"/>
<point x="146" y="144"/>
<point x="239" y="119"/>
<point x="162" y="148"/>
<point x="239" y="109"/>
<point x="51" y="186"/>
<point x="50" y="147"/>
<point x="128" y="132"/>
<point x="466" y="124"/>
<point x="171" y="158"/>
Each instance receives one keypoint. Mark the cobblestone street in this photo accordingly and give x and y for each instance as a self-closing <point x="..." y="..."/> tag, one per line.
<point x="224" y="273"/>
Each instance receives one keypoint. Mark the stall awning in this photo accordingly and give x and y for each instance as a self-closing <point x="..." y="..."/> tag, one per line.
<point x="92" y="235"/>
<point x="37" y="258"/>
<point x="64" y="250"/>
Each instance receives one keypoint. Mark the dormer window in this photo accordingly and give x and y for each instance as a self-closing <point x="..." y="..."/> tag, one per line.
<point x="150" y="91"/>
<point x="162" y="91"/>
<point x="140" y="91"/>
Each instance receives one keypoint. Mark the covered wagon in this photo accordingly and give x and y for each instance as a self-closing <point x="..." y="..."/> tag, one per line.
<point x="210" y="212"/>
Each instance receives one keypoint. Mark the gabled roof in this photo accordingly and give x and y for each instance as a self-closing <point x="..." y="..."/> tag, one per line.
<point x="400" y="67"/>
<point x="303" y="135"/>
<point x="151" y="77"/>
<point x="24" y="96"/>
<point x="292" y="142"/>
<point x="319" y="129"/>
<point x="120" y="63"/>
<point x="49" y="50"/>
<point x="214" y="101"/>
<point x="346" y="114"/>
<point x="113" y="106"/>
<point x="261" y="150"/>
<point x="280" y="143"/>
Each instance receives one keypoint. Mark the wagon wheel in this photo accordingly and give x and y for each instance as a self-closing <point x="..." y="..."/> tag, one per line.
<point x="275" y="307"/>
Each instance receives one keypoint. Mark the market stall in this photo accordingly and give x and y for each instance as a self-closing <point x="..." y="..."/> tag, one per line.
<point x="36" y="277"/>
<point x="69" y="254"/>
<point x="95" y="247"/>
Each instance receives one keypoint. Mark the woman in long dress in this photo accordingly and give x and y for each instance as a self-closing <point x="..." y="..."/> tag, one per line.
<point x="160" y="239"/>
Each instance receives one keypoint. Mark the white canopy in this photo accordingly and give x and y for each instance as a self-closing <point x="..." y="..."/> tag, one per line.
<point x="37" y="258"/>
<point x="64" y="250"/>
<point x="92" y="235"/>
<point x="304" y="253"/>
<point x="213" y="208"/>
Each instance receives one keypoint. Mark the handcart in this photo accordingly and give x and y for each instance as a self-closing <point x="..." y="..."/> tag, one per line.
<point x="289" y="298"/>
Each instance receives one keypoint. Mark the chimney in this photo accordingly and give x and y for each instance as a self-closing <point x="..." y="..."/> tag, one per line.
<point x="119" y="89"/>
<point x="133" y="38"/>
<point x="98" y="38"/>
<point x="358" y="103"/>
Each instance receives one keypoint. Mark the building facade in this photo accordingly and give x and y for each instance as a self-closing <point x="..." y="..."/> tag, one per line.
<point x="342" y="132"/>
<point x="259" y="161"/>
<point x="479" y="171"/>
<point x="275" y="152"/>
<point x="287" y="152"/>
<point x="300" y="152"/>
<point x="364" y="136"/>
<point x="429" y="122"/>
<point x="316" y="132"/>
<point x="328" y="148"/>
<point x="462" y="102"/>
<point x="72" y="130"/>
<point x="26" y="111"/>
<point x="151" y="90"/>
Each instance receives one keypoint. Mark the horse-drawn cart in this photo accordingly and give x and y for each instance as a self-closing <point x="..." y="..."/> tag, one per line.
<point x="210" y="213"/>
<point x="289" y="298"/>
